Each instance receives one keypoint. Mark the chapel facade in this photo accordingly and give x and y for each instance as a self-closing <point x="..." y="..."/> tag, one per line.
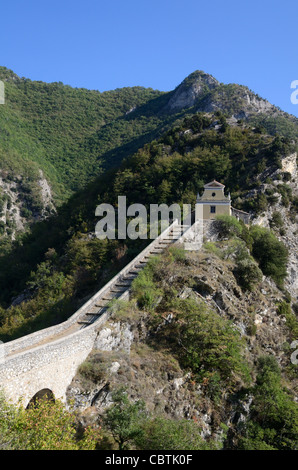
<point x="214" y="202"/>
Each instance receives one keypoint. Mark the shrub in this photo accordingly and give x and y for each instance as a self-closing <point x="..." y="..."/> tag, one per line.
<point x="168" y="434"/>
<point x="284" y="309"/>
<point x="228" y="226"/>
<point x="177" y="253"/>
<point x="212" y="248"/>
<point x="271" y="254"/>
<point x="124" y="418"/>
<point x="45" y="426"/>
<point x="276" y="220"/>
<point x="272" y="423"/>
<point x="144" y="290"/>
<point x="207" y="344"/>
<point x="248" y="273"/>
<point x="92" y="371"/>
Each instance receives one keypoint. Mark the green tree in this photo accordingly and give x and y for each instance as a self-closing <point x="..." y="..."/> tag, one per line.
<point x="271" y="254"/>
<point x="228" y="226"/>
<point x="210" y="346"/>
<point x="247" y="271"/>
<point x="273" y="420"/>
<point x="124" y="418"/>
<point x="46" y="426"/>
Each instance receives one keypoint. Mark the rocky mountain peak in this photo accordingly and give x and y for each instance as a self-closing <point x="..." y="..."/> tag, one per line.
<point x="196" y="85"/>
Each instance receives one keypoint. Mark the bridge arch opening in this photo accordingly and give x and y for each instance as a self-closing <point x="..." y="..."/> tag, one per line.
<point x="43" y="395"/>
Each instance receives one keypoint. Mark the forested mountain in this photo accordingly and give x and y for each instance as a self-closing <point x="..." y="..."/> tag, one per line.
<point x="55" y="139"/>
<point x="63" y="261"/>
<point x="78" y="148"/>
<point x="65" y="131"/>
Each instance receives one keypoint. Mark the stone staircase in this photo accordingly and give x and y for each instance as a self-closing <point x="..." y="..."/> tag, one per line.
<point x="95" y="311"/>
<point x="48" y="359"/>
<point x="120" y="286"/>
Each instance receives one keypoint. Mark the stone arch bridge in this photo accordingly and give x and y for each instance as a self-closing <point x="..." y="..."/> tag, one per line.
<point x="44" y="363"/>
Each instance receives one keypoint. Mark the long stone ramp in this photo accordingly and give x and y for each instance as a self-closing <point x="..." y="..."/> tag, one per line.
<point x="48" y="359"/>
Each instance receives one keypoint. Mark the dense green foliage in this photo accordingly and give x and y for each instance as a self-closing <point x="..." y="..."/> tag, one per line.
<point x="202" y="340"/>
<point x="169" y="170"/>
<point x="46" y="426"/>
<point x="131" y="426"/>
<point x="71" y="133"/>
<point x="124" y="419"/>
<point x="208" y="345"/>
<point x="168" y="434"/>
<point x="273" y="420"/>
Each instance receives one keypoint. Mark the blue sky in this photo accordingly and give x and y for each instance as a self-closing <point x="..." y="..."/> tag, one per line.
<point x="105" y="45"/>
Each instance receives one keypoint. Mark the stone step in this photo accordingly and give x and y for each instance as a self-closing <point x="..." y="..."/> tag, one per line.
<point x="109" y="296"/>
<point x="119" y="289"/>
<point x="94" y="314"/>
<point x="101" y="305"/>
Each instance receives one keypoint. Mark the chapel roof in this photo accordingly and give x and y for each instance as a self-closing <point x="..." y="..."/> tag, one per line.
<point x="214" y="184"/>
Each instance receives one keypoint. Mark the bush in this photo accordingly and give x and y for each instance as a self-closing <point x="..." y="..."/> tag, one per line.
<point x="207" y="344"/>
<point x="45" y="426"/>
<point x="273" y="420"/>
<point x="92" y="371"/>
<point x="276" y="220"/>
<point x="248" y="273"/>
<point x="271" y="254"/>
<point x="284" y="309"/>
<point x="168" y="434"/>
<point x="144" y="290"/>
<point x="228" y="226"/>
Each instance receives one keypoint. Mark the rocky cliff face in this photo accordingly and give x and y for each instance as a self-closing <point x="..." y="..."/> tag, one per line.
<point x="23" y="201"/>
<point x="127" y="351"/>
<point x="190" y="90"/>
<point x="203" y="92"/>
<point x="287" y="229"/>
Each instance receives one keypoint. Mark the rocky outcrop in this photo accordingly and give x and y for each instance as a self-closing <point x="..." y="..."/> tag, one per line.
<point x="124" y="353"/>
<point x="46" y="196"/>
<point x="191" y="89"/>
<point x="289" y="228"/>
<point x="23" y="201"/>
<point x="204" y="93"/>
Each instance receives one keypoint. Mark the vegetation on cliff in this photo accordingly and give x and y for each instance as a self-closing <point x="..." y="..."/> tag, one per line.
<point x="192" y="324"/>
<point x="63" y="250"/>
<point x="213" y="330"/>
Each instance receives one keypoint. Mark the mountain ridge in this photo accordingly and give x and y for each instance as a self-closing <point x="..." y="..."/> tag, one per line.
<point x="240" y="290"/>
